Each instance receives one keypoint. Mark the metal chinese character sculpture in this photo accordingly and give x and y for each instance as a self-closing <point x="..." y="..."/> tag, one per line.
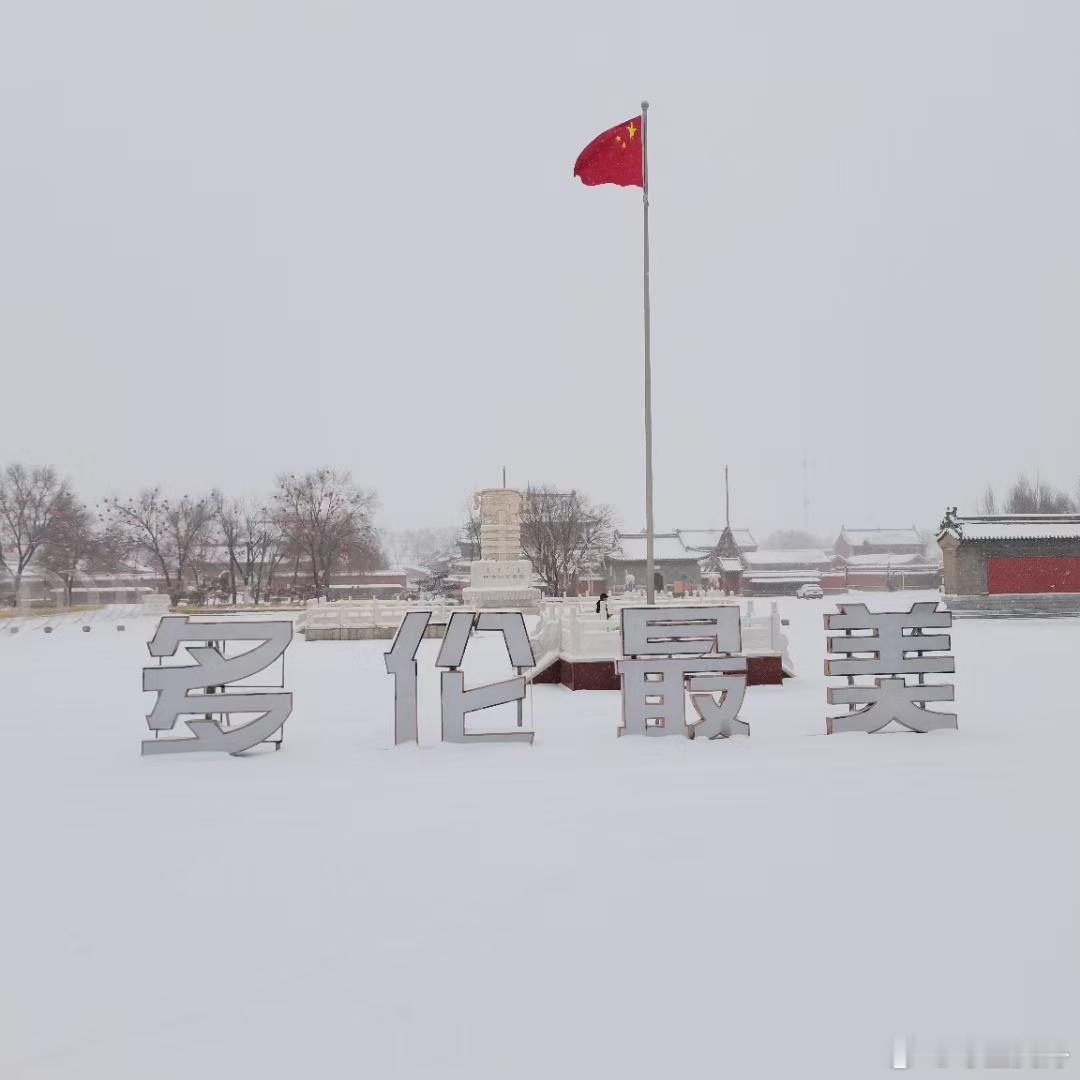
<point x="692" y="649"/>
<point x="894" y="645"/>
<point x="457" y="702"/>
<point x="401" y="663"/>
<point x="190" y="689"/>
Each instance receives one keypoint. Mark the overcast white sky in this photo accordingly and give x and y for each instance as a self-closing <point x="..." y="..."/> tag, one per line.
<point x="242" y="237"/>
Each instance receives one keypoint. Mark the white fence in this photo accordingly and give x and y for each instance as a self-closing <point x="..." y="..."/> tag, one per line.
<point x="765" y="634"/>
<point x="569" y="627"/>
<point x="575" y="631"/>
<point x="359" y="614"/>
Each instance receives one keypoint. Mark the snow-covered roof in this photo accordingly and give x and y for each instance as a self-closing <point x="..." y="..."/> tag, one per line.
<point x="879" y="537"/>
<point x="108" y="589"/>
<point x="910" y="559"/>
<point x="1016" y="527"/>
<point x="707" y="539"/>
<point x="667" y="547"/>
<point x="679" y="545"/>
<point x="723" y="566"/>
<point x="781" y="557"/>
<point x="763" y="576"/>
<point x="370" y="585"/>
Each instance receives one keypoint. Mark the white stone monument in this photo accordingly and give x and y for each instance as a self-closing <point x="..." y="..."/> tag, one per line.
<point x="500" y="578"/>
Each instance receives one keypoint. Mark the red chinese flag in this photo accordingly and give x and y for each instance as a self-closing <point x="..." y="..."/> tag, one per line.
<point x="613" y="157"/>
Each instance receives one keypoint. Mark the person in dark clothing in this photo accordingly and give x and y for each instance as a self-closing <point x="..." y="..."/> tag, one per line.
<point x="601" y="606"/>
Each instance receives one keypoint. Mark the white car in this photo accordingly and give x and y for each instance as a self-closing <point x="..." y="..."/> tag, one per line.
<point x="809" y="592"/>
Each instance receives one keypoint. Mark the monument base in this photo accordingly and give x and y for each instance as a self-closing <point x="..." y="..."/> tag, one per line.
<point x="761" y="670"/>
<point x="495" y="583"/>
<point x="500" y="598"/>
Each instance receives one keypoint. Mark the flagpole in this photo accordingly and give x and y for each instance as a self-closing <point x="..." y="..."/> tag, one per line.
<point x="650" y="581"/>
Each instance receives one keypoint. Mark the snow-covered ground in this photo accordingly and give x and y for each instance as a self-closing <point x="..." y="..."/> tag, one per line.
<point x="782" y="906"/>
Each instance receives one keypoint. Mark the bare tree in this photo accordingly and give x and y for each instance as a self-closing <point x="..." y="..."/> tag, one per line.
<point x="564" y="534"/>
<point x="421" y="547"/>
<point x="471" y="529"/>
<point x="253" y="539"/>
<point x="204" y="556"/>
<point x="173" y="535"/>
<point x="31" y="500"/>
<point x="1026" y="496"/>
<point x="111" y="551"/>
<point x="74" y="541"/>
<point x="230" y="521"/>
<point x="327" y="520"/>
<point x="987" y="503"/>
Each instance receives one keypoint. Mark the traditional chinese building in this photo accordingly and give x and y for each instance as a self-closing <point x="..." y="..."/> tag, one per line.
<point x="1008" y="561"/>
<point x="673" y="562"/>
<point x="879" y="542"/>
<point x="722" y="568"/>
<point x="349" y="585"/>
<point x="725" y="541"/>
<point x="49" y="590"/>
<point x="683" y="560"/>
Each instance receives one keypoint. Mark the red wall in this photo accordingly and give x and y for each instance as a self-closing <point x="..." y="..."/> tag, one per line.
<point x="1033" y="575"/>
<point x="834" y="580"/>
